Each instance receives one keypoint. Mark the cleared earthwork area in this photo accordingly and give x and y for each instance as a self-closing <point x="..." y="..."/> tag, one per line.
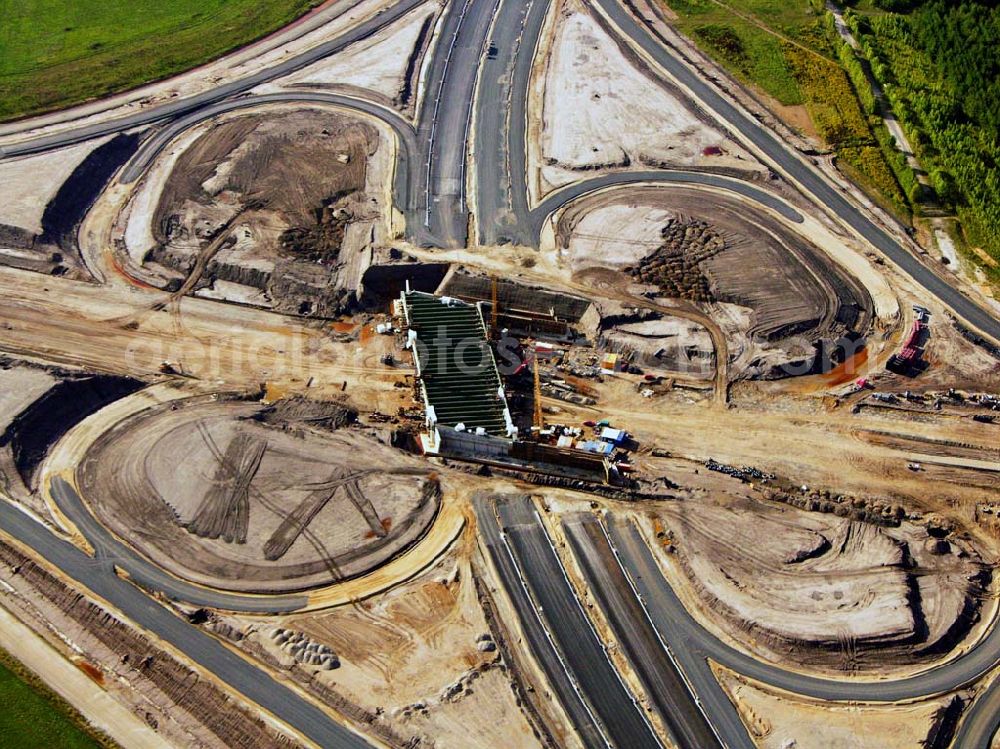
<point x="603" y="109"/>
<point x="826" y="590"/>
<point x="767" y="285"/>
<point x="230" y="495"/>
<point x="274" y="209"/>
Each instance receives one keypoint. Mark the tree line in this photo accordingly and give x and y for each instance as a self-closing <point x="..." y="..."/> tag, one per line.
<point x="939" y="65"/>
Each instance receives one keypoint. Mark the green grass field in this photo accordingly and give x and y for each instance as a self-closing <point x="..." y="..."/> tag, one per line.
<point x="31" y="716"/>
<point x="787" y="49"/>
<point x="55" y="53"/>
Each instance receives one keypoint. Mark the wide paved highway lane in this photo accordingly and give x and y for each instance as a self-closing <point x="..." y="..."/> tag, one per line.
<point x="623" y="718"/>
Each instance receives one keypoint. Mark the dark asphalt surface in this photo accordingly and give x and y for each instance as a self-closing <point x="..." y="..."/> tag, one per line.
<point x="109" y="549"/>
<point x="789" y="165"/>
<point x="623" y="719"/>
<point x="580" y="715"/>
<point x="257" y="686"/>
<point x="635" y="634"/>
<point x="501" y="124"/>
<point x="446" y="115"/>
<point x="981" y="721"/>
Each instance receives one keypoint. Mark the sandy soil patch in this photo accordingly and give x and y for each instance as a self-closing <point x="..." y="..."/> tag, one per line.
<point x="31" y="182"/>
<point x="602" y="110"/>
<point x="286" y="201"/>
<point x="70" y="682"/>
<point x="19" y="388"/>
<point x="779" y="721"/>
<point x="423" y="655"/>
<point x="703" y="247"/>
<point x="383" y="64"/>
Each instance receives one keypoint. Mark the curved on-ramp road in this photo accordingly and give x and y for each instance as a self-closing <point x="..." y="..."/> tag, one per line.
<point x="189" y="104"/>
<point x="566" y="195"/>
<point x="790" y="165"/>
<point x="406" y="186"/>
<point x="257" y="686"/>
<point x="677" y="625"/>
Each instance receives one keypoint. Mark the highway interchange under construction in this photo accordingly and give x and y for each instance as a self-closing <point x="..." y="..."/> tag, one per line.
<point x="516" y="485"/>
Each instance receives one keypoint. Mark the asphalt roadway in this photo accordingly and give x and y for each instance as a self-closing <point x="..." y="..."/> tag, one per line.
<point x="692" y="645"/>
<point x="257" y="686"/>
<point x="107" y="548"/>
<point x="624" y="720"/>
<point x="189" y="104"/>
<point x="808" y="178"/>
<point x="514" y="27"/>
<point x="446" y="116"/>
<point x="556" y="200"/>
<point x="690" y="727"/>
<point x="406" y="187"/>
<point x="501" y="123"/>
<point x="589" y="730"/>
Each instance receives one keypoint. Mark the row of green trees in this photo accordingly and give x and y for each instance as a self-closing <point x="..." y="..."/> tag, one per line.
<point x="939" y="66"/>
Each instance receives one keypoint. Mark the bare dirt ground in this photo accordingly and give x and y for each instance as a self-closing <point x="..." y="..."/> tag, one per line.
<point x="601" y="110"/>
<point x="684" y="244"/>
<point x="133" y="331"/>
<point x="20" y="386"/>
<point x="779" y="721"/>
<point x="71" y="682"/>
<point x="421" y="657"/>
<point x="30" y="182"/>
<point x="832" y="591"/>
<point x="183" y="706"/>
<point x="281" y="208"/>
<point x="259" y="507"/>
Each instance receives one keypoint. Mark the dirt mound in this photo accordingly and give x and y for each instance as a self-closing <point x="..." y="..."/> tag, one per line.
<point x="298" y="409"/>
<point x="675" y="267"/>
<point x="277" y="207"/>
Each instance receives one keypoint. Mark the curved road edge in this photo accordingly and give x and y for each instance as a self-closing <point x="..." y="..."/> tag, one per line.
<point x="793" y="168"/>
<point x="671" y="616"/>
<point x="66" y="504"/>
<point x="189" y="104"/>
<point x="98" y="579"/>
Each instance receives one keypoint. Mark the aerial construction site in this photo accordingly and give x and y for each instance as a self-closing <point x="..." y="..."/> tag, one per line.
<point x="463" y="373"/>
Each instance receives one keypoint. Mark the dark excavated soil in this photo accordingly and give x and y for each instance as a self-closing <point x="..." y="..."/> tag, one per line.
<point x="34" y="431"/>
<point x="66" y="210"/>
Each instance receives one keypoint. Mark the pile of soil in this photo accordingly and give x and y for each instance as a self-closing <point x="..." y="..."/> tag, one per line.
<point x="674" y="266"/>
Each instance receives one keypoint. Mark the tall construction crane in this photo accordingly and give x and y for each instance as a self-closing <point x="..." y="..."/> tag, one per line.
<point x="539" y="420"/>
